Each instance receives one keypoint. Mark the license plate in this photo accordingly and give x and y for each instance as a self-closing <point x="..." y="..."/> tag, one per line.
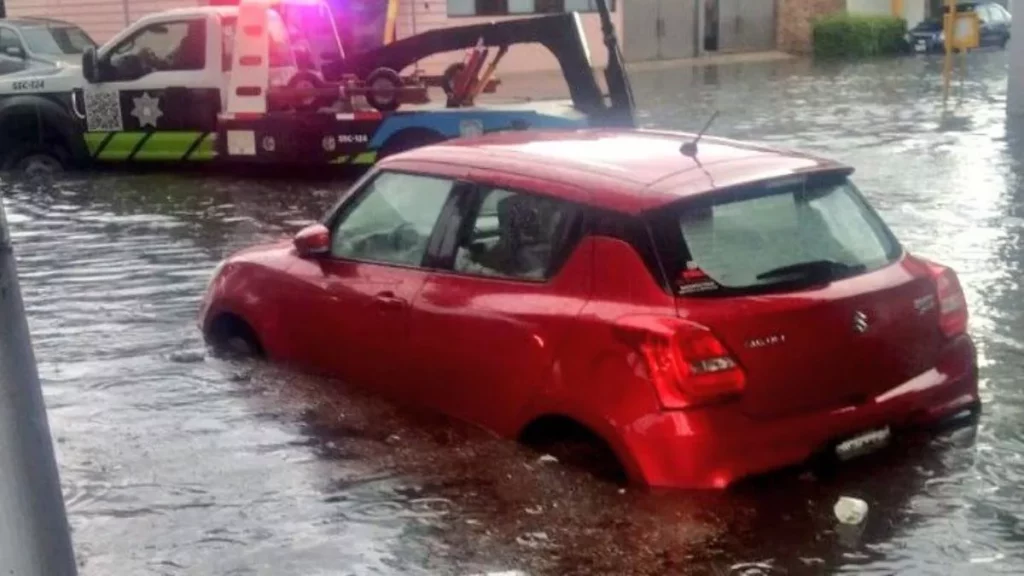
<point x="863" y="443"/>
<point x="920" y="46"/>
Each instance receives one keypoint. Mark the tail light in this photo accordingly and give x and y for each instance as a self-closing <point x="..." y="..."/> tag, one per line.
<point x="688" y="365"/>
<point x="952" y="303"/>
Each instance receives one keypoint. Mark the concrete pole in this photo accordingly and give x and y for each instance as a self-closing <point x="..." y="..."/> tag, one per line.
<point x="1015" y="82"/>
<point x="35" y="538"/>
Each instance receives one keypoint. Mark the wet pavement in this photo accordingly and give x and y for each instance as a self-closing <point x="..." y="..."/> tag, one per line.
<point x="174" y="462"/>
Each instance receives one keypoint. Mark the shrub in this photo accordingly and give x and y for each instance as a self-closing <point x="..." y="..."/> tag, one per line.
<point x="845" y="35"/>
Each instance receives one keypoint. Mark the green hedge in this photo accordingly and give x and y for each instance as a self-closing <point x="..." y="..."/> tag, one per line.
<point x="846" y="35"/>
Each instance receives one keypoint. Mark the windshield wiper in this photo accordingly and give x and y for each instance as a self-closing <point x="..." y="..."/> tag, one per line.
<point x="816" y="270"/>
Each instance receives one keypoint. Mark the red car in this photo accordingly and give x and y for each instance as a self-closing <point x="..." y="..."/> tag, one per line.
<point x="709" y="315"/>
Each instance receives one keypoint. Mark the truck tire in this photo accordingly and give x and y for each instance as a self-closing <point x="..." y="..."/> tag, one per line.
<point x="382" y="87"/>
<point x="307" y="80"/>
<point x="407" y="140"/>
<point x="35" y="160"/>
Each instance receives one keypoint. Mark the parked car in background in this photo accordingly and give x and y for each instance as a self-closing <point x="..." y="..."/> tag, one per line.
<point x="929" y="37"/>
<point x="704" y="312"/>
<point x="27" y="43"/>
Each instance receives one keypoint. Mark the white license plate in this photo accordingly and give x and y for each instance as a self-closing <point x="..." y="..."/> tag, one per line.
<point x="864" y="443"/>
<point x="920" y="46"/>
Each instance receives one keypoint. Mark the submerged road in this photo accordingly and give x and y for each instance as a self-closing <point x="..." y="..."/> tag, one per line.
<point x="176" y="463"/>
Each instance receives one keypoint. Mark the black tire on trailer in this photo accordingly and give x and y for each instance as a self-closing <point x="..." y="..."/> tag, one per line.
<point x="407" y="140"/>
<point x="382" y="87"/>
<point x="308" y="79"/>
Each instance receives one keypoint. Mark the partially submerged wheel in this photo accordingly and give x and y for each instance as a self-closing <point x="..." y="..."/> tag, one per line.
<point x="232" y="336"/>
<point x="35" y="161"/>
<point x="382" y="88"/>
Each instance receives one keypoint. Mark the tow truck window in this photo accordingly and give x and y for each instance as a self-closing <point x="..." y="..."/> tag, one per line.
<point x="280" y="47"/>
<point x="163" y="47"/>
<point x="9" y="41"/>
<point x="56" y="40"/>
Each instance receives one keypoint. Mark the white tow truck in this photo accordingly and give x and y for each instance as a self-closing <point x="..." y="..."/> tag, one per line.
<point x="244" y="84"/>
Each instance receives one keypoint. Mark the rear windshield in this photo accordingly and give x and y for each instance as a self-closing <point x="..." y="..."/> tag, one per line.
<point x="793" y="232"/>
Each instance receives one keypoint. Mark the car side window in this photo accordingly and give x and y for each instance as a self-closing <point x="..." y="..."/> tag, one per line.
<point x="161" y="47"/>
<point x="514" y="235"/>
<point x="10" y="44"/>
<point x="392" y="219"/>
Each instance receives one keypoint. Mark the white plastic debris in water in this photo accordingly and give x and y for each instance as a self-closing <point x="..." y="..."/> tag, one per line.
<point x="547" y="459"/>
<point x="850" y="510"/>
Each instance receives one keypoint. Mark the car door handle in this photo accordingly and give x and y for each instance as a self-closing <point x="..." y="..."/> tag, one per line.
<point x="388" y="300"/>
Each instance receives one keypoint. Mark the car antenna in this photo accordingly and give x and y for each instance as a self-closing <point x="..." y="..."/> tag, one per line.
<point x="690" y="148"/>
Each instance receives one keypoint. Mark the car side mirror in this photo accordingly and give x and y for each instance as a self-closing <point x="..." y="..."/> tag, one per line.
<point x="90" y="67"/>
<point x="14" y="52"/>
<point x="313" y="240"/>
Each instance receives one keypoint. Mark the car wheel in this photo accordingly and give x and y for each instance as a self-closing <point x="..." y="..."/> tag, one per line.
<point x="232" y="336"/>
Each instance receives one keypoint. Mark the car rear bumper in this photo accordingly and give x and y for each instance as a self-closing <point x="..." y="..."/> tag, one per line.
<point x="715" y="447"/>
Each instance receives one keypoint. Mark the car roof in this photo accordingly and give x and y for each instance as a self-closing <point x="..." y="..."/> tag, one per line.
<point x="36" y="21"/>
<point x="624" y="170"/>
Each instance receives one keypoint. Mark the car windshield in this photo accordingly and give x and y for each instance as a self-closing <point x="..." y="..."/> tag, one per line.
<point x="56" y="40"/>
<point x="787" y="232"/>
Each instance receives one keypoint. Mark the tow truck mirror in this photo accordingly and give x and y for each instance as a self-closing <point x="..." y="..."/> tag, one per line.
<point x="90" y="68"/>
<point x="313" y="240"/>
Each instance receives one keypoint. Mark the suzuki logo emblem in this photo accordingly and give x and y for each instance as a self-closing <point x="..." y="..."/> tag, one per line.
<point x="860" y="322"/>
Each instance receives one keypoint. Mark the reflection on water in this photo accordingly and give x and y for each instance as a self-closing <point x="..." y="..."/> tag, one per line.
<point x="176" y="463"/>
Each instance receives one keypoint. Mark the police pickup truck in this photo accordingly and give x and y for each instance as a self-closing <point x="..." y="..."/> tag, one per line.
<point x="162" y="91"/>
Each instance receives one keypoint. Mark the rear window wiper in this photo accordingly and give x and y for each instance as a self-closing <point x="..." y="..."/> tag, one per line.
<point x="814" y="269"/>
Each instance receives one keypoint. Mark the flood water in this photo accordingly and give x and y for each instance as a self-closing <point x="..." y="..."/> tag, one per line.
<point x="174" y="462"/>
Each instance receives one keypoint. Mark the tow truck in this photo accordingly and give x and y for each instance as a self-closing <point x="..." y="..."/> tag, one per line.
<point x="218" y="84"/>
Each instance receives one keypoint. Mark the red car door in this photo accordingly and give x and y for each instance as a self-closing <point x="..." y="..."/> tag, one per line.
<point x="364" y="287"/>
<point x="484" y="332"/>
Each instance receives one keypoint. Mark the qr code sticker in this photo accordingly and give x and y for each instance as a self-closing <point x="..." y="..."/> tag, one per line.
<point x="103" y="111"/>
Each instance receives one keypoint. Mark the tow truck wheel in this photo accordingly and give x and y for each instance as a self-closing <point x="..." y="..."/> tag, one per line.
<point x="35" y="161"/>
<point x="382" y="86"/>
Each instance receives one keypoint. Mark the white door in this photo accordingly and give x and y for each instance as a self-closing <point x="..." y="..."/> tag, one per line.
<point x="163" y="76"/>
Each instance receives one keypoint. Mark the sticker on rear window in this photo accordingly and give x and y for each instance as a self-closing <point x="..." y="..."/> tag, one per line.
<point x="693" y="280"/>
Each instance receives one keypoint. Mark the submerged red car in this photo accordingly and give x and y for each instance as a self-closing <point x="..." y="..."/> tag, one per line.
<point x="709" y="315"/>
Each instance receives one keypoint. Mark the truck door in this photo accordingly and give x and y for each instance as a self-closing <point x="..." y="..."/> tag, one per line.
<point x="158" y="92"/>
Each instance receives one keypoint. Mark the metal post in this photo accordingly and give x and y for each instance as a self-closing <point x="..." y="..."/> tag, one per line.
<point x="35" y="538"/>
<point x="1015" y="80"/>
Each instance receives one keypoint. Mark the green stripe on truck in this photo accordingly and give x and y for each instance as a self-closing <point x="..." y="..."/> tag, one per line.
<point x="166" y="145"/>
<point x="120" y="146"/>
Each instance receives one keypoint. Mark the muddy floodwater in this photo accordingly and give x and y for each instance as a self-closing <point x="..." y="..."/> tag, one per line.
<point x="177" y="463"/>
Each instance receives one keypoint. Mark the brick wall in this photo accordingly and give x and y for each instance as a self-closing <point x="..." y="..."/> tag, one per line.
<point x="794" y="22"/>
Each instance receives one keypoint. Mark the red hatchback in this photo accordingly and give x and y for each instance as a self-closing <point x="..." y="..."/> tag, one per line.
<point x="708" y="316"/>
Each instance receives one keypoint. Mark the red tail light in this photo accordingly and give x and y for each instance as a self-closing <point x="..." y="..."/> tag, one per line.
<point x="952" y="303"/>
<point x="686" y="362"/>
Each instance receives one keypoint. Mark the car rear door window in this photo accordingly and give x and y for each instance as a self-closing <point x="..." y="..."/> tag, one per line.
<point x="515" y="235"/>
<point x="392" y="219"/>
<point x="749" y="239"/>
